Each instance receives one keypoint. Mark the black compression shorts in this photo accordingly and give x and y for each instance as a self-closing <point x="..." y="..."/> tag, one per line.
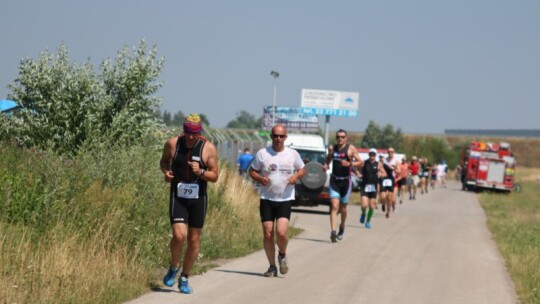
<point x="271" y="210"/>
<point x="188" y="211"/>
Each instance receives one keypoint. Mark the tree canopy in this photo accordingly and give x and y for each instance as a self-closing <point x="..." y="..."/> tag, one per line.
<point x="245" y="120"/>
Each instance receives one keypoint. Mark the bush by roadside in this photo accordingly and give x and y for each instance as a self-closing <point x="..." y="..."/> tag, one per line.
<point x="76" y="230"/>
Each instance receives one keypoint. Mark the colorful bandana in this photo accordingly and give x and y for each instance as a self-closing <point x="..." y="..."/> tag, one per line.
<point x="193" y="124"/>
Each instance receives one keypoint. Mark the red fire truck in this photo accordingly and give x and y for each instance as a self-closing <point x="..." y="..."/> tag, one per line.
<point x="488" y="166"/>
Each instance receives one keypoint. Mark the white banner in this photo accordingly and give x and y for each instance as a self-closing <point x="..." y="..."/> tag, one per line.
<point x="330" y="102"/>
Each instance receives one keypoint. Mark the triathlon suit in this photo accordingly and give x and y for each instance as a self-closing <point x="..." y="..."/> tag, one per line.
<point x="434" y="172"/>
<point x="188" y="200"/>
<point x="389" y="182"/>
<point x="340" y="179"/>
<point x="424" y="170"/>
<point x="369" y="179"/>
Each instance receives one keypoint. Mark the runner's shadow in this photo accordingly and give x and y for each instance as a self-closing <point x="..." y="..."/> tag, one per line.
<point x="309" y="211"/>
<point x="312" y="240"/>
<point x="159" y="289"/>
<point x="257" y="274"/>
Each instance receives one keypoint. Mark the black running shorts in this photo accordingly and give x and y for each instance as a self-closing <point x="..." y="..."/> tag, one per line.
<point x="188" y="211"/>
<point x="271" y="210"/>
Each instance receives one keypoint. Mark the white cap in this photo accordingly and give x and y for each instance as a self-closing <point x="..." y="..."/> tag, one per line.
<point x="373" y="150"/>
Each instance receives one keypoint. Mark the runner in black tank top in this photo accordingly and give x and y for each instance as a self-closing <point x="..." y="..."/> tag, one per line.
<point x="183" y="172"/>
<point x="189" y="162"/>
<point x="344" y="157"/>
<point x="371" y="171"/>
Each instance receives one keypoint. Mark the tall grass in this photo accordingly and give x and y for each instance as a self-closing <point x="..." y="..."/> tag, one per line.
<point x="514" y="220"/>
<point x="95" y="228"/>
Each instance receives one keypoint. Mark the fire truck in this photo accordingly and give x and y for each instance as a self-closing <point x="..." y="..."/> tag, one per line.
<point x="488" y="165"/>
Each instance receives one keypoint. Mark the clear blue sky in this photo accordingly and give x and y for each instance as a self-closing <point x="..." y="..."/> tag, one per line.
<point x="422" y="66"/>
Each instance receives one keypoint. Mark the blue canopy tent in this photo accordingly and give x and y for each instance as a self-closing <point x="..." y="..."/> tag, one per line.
<point x="7" y="105"/>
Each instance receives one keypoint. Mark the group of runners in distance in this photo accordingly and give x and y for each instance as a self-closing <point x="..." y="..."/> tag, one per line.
<point x="189" y="162"/>
<point x="383" y="180"/>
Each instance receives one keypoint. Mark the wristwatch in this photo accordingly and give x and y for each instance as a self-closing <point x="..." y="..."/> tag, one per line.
<point x="202" y="172"/>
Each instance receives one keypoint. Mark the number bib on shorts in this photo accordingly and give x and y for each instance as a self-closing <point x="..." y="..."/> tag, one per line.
<point x="186" y="190"/>
<point x="387" y="182"/>
<point x="370" y="188"/>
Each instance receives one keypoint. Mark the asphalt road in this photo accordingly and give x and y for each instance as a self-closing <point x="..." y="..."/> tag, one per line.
<point x="435" y="249"/>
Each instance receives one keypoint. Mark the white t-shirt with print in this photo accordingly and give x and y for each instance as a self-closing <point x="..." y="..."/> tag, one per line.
<point x="278" y="167"/>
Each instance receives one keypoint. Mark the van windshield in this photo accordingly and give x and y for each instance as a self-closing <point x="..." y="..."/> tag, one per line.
<point x="309" y="156"/>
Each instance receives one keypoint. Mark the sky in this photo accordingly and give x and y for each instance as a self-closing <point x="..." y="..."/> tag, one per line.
<point x="420" y="65"/>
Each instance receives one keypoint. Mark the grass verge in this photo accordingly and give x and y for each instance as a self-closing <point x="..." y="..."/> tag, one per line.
<point x="514" y="221"/>
<point x="76" y="230"/>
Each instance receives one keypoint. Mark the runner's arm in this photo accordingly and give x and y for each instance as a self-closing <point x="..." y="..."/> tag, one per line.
<point x="212" y="172"/>
<point x="166" y="159"/>
<point x="357" y="161"/>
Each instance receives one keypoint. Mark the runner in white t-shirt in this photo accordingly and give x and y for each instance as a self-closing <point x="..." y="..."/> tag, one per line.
<point x="441" y="173"/>
<point x="276" y="168"/>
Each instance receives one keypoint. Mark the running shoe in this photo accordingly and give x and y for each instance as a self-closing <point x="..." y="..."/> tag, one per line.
<point x="340" y="233"/>
<point x="362" y="218"/>
<point x="283" y="268"/>
<point x="333" y="236"/>
<point x="170" y="278"/>
<point x="271" y="272"/>
<point x="368" y="225"/>
<point x="184" y="286"/>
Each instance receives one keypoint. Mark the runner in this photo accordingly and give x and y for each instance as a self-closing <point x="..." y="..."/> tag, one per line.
<point x="371" y="171"/>
<point x="433" y="176"/>
<point x="403" y="182"/>
<point x="441" y="173"/>
<point x="243" y="160"/>
<point x="425" y="168"/>
<point x="392" y="169"/>
<point x="379" y="201"/>
<point x="276" y="168"/>
<point x="188" y="162"/>
<point x="344" y="157"/>
<point x="414" y="169"/>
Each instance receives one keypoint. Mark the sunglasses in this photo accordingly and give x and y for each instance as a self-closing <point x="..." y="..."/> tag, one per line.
<point x="371" y="154"/>
<point x="339" y="137"/>
<point x="279" y="135"/>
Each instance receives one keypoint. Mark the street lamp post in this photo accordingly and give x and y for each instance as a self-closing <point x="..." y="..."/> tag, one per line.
<point x="275" y="75"/>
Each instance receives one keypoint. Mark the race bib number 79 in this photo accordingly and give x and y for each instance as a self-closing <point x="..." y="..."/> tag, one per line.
<point x="186" y="190"/>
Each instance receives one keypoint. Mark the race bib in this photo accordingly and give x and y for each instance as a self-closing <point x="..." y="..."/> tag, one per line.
<point x="187" y="190"/>
<point x="370" y="188"/>
<point x="387" y="182"/>
<point x="426" y="174"/>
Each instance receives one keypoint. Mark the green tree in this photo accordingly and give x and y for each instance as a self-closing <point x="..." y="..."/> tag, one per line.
<point x="178" y="119"/>
<point x="245" y="120"/>
<point x="167" y="118"/>
<point x="204" y="119"/>
<point x="65" y="104"/>
<point x="372" y="136"/>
